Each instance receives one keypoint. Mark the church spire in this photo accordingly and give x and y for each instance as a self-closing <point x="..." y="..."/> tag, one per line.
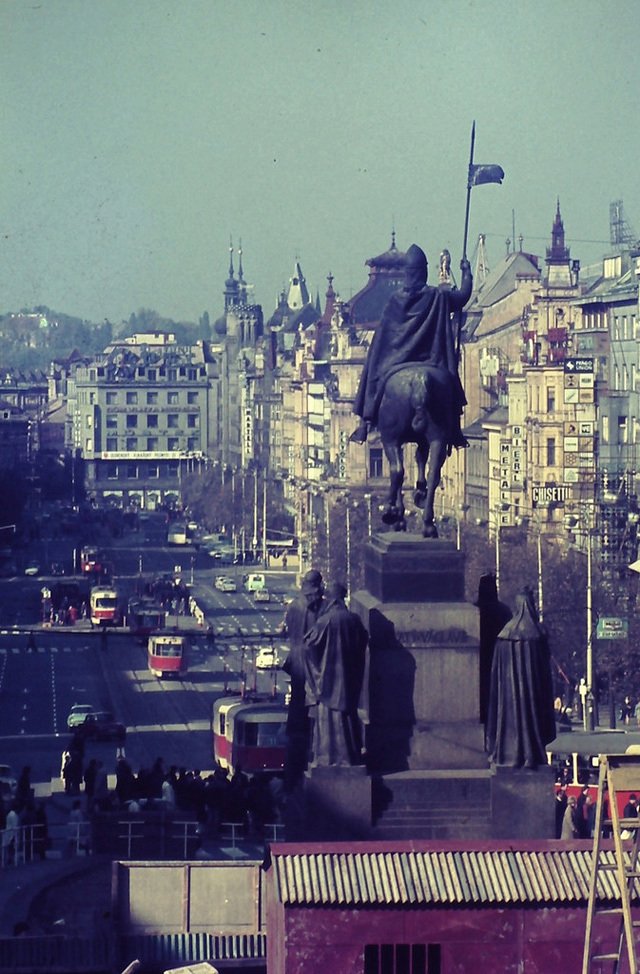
<point x="230" y="285"/>
<point x="557" y="251"/>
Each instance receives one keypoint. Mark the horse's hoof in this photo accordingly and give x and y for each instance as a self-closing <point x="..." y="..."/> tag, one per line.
<point x="429" y="531"/>
<point x="419" y="498"/>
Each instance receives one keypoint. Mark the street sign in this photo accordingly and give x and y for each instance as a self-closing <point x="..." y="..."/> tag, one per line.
<point x="610" y="627"/>
<point x="578" y="365"/>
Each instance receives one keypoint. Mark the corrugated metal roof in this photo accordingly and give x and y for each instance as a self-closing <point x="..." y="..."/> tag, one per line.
<point x="438" y="876"/>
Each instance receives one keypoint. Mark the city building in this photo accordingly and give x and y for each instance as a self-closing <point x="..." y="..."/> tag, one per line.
<point x="141" y="415"/>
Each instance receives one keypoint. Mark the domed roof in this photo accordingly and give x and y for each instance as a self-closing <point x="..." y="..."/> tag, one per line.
<point x="220" y="326"/>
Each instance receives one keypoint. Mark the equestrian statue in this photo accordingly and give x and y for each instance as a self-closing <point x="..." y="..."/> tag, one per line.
<point x="410" y="390"/>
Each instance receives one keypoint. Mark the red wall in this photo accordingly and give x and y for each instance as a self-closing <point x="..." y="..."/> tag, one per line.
<point x="536" y="940"/>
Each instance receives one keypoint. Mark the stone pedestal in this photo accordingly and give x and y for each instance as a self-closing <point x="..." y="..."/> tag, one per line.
<point x="522" y="803"/>
<point x="337" y="803"/>
<point x="424" y="644"/>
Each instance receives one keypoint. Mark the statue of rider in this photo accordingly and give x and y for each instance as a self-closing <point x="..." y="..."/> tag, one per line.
<point x="419" y="325"/>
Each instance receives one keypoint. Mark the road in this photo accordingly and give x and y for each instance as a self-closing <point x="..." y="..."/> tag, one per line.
<point x="168" y="718"/>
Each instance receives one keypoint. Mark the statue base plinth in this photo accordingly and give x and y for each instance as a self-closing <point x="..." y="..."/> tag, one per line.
<point x="522" y="803"/>
<point x="336" y="803"/>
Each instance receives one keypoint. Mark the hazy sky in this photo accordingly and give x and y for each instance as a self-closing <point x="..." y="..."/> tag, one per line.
<point x="138" y="135"/>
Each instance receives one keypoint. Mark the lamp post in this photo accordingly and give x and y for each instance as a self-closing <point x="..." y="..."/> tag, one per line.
<point x="589" y="714"/>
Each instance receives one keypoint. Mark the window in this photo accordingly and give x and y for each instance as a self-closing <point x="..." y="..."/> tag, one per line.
<point x="173" y="443"/>
<point x="152" y="398"/>
<point x="375" y="462"/>
<point x="112" y="422"/>
<point x="112" y="398"/>
<point x="88" y="445"/>
<point x="152" y="421"/>
<point x="112" y="471"/>
<point x="152" y="471"/>
<point x="551" y="399"/>
<point x="172" y="398"/>
<point x="192" y="420"/>
<point x="622" y="429"/>
<point x="112" y="444"/>
<point x="551" y="451"/>
<point x="132" y="471"/>
<point x="193" y="444"/>
<point x="605" y="429"/>
<point x="132" y="398"/>
<point x="132" y="443"/>
<point x="172" y="421"/>
<point x="192" y="375"/>
<point x="88" y="421"/>
<point x="151" y="375"/>
<point x="402" y="959"/>
<point x="132" y="420"/>
<point x="192" y="398"/>
<point x="152" y="443"/>
<point x="172" y="469"/>
<point x="172" y="375"/>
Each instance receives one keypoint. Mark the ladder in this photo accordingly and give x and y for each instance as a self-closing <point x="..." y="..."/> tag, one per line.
<point x="615" y="870"/>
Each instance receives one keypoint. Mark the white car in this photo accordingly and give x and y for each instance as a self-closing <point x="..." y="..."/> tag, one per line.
<point x="32" y="569"/>
<point x="78" y="714"/>
<point x="267" y="659"/>
<point x="261" y="595"/>
<point x="226" y="584"/>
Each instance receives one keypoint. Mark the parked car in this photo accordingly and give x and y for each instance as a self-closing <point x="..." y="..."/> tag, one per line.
<point x="261" y="595"/>
<point x="267" y="659"/>
<point x="32" y="569"/>
<point x="78" y="713"/>
<point x="101" y="725"/>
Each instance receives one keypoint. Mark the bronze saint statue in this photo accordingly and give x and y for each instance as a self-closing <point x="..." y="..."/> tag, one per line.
<point x="299" y="618"/>
<point x="520" y="717"/>
<point x="337" y="676"/>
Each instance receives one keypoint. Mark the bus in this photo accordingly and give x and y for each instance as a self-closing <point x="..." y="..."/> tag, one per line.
<point x="177" y="533"/>
<point x="145" y="616"/>
<point x="104" y="607"/>
<point x="168" y="654"/>
<point x="249" y="733"/>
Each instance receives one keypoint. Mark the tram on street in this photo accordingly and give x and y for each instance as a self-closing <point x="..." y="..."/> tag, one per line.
<point x="249" y="733"/>
<point x="145" y="616"/>
<point x="168" y="654"/>
<point x="104" y="607"/>
<point x="575" y="758"/>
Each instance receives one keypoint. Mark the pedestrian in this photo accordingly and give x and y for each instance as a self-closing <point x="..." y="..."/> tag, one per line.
<point x="626" y="710"/>
<point x="24" y="791"/>
<point x="582" y="813"/>
<point x="569" y="824"/>
<point x="636" y="713"/>
<point x="11" y="836"/>
<point x="561" y="807"/>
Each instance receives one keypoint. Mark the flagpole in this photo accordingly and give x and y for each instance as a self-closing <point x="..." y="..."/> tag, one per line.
<point x="466" y="215"/>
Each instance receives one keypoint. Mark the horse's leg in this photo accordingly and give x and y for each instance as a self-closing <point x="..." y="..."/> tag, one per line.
<point x="422" y="452"/>
<point x="394" y="511"/>
<point x="437" y="452"/>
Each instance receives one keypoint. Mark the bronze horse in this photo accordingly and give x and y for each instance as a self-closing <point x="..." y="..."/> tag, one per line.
<point x="417" y="406"/>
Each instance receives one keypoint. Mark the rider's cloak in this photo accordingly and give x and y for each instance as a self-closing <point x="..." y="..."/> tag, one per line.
<point x="416" y="327"/>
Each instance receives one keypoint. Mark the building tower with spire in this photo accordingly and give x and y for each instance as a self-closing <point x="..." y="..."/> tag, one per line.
<point x="560" y="269"/>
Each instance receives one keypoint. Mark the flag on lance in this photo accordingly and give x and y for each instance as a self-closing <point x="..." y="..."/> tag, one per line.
<point x="479" y="173"/>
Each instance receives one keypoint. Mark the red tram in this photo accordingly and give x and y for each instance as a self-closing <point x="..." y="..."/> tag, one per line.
<point x="168" y="654"/>
<point x="249" y="733"/>
<point x="144" y="617"/>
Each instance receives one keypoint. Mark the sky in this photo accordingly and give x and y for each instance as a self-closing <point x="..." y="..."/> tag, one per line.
<point x="138" y="138"/>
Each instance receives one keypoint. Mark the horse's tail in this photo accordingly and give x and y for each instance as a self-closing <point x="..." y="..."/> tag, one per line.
<point x="419" y="398"/>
